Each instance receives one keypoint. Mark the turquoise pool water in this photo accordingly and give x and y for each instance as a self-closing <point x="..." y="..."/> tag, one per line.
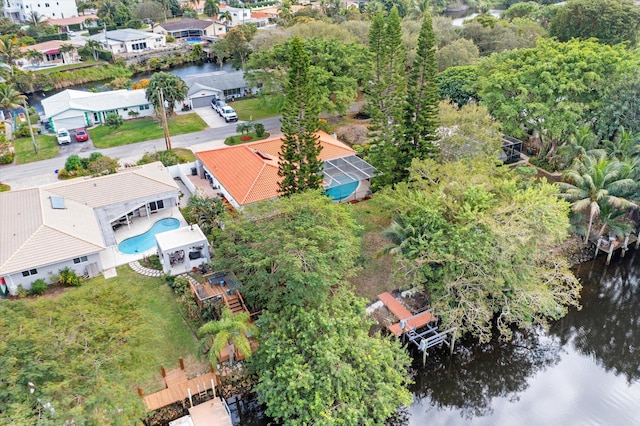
<point x="348" y="184"/>
<point x="193" y="40"/>
<point x="144" y="242"/>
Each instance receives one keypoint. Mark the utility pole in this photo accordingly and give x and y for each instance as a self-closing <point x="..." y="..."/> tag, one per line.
<point x="33" y="139"/>
<point x="165" y="127"/>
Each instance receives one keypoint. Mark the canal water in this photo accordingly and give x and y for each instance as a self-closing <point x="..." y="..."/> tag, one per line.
<point x="584" y="371"/>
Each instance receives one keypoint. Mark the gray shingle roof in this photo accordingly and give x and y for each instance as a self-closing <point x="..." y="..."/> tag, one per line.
<point x="221" y="80"/>
<point x="186" y="24"/>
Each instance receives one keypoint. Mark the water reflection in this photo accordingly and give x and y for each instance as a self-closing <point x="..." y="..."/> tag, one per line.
<point x="477" y="373"/>
<point x="608" y="326"/>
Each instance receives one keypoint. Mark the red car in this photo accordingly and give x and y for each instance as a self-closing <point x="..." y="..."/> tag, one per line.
<point x="82" y="135"/>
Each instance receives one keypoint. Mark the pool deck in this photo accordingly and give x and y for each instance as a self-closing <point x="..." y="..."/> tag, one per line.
<point x="113" y="257"/>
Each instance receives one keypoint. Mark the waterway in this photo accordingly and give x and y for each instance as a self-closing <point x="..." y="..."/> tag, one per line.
<point x="584" y="371"/>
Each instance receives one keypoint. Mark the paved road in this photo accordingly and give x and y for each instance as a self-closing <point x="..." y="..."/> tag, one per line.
<point x="42" y="172"/>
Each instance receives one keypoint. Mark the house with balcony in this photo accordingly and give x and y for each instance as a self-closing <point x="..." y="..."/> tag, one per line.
<point x="51" y="55"/>
<point x="189" y="28"/>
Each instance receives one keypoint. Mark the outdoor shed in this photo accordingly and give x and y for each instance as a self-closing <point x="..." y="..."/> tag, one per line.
<point x="182" y="249"/>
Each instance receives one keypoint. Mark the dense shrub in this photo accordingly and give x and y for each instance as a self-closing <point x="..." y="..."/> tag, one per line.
<point x="38" y="287"/>
<point x="7" y="157"/>
<point x="181" y="285"/>
<point x="96" y="165"/>
<point x="69" y="277"/>
<point x="259" y="129"/>
<point x="73" y="163"/>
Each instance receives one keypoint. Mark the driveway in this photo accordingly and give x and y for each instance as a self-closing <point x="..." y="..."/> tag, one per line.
<point x="211" y="117"/>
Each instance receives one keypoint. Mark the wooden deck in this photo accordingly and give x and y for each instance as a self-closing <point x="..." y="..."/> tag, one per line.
<point x="210" y="413"/>
<point x="609" y="247"/>
<point x="412" y="321"/>
<point x="178" y="388"/>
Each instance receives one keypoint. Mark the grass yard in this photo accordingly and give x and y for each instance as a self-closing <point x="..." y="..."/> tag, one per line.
<point x="254" y="109"/>
<point x="377" y="273"/>
<point x="47" y="148"/>
<point x="87" y="349"/>
<point x="4" y="187"/>
<point x="235" y="140"/>
<point x="185" y="154"/>
<point x="144" y="129"/>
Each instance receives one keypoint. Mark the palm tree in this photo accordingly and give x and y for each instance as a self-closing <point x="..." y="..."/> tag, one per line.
<point x="34" y="56"/>
<point x="581" y="143"/>
<point x="593" y="183"/>
<point x="10" y="98"/>
<point x="94" y="46"/>
<point x="34" y="19"/>
<point x="419" y="8"/>
<point x="625" y="144"/>
<point x="229" y="330"/>
<point x="64" y="50"/>
<point x="107" y="11"/>
<point x="212" y="10"/>
<point x="226" y="16"/>
<point x="10" y="49"/>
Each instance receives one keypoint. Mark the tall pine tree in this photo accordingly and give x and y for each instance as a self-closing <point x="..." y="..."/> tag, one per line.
<point x="421" y="108"/>
<point x="300" y="168"/>
<point x="386" y="94"/>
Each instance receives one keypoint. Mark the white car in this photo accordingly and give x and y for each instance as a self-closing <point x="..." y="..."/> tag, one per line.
<point x="228" y="113"/>
<point x="63" y="137"/>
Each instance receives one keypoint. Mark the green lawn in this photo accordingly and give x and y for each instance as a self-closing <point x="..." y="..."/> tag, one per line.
<point x="235" y="140"/>
<point x="88" y="349"/>
<point x="254" y="109"/>
<point x="47" y="148"/>
<point x="144" y="129"/>
<point x="4" y="187"/>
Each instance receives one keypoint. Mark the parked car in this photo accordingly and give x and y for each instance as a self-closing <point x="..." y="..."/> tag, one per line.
<point x="229" y="114"/>
<point x="63" y="137"/>
<point x="217" y="106"/>
<point x="82" y="135"/>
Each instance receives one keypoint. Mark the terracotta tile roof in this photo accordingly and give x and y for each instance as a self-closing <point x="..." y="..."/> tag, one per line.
<point x="47" y="45"/>
<point x="71" y="21"/>
<point x="249" y="176"/>
<point x="259" y="15"/>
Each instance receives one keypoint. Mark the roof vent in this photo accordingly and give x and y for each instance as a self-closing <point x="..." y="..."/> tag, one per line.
<point x="57" y="203"/>
<point x="262" y="154"/>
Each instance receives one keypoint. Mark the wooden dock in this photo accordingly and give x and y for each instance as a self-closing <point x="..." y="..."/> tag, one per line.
<point x="609" y="246"/>
<point x="211" y="413"/>
<point x="410" y="325"/>
<point x="179" y="387"/>
<point x="407" y="318"/>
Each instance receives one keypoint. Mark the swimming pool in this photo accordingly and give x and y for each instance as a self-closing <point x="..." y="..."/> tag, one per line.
<point x="347" y="185"/>
<point x="143" y="242"/>
<point x="193" y="40"/>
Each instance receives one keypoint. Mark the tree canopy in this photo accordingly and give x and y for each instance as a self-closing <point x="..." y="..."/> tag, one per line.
<point x="610" y="21"/>
<point x="478" y="241"/>
<point x="290" y="251"/>
<point x="336" y="68"/>
<point x="551" y="89"/>
<point x="320" y="366"/>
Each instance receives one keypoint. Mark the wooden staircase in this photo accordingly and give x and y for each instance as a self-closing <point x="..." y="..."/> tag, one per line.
<point x="234" y="303"/>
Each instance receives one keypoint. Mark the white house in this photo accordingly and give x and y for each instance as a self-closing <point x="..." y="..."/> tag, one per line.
<point x="51" y="54"/>
<point x="130" y="41"/>
<point x="74" y="223"/>
<point x="241" y="15"/>
<point x="20" y="10"/>
<point x="182" y="249"/>
<point x="72" y="109"/>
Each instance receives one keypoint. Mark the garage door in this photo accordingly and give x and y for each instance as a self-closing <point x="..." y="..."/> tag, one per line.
<point x="69" y="123"/>
<point x="202" y="101"/>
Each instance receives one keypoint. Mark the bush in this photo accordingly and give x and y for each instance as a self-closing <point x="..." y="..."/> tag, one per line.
<point x="181" y="285"/>
<point x="69" y="277"/>
<point x="114" y="120"/>
<point x="23" y="131"/>
<point x="7" y="157"/>
<point x="259" y="129"/>
<point x="134" y="23"/>
<point x="22" y="292"/>
<point x="38" y="287"/>
<point x="73" y="163"/>
<point x="170" y="39"/>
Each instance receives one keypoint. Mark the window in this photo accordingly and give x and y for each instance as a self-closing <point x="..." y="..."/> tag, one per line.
<point x="125" y="109"/>
<point x="156" y="205"/>
<point x="80" y="259"/>
<point x="143" y="107"/>
<point x="46" y="5"/>
<point x="29" y="272"/>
